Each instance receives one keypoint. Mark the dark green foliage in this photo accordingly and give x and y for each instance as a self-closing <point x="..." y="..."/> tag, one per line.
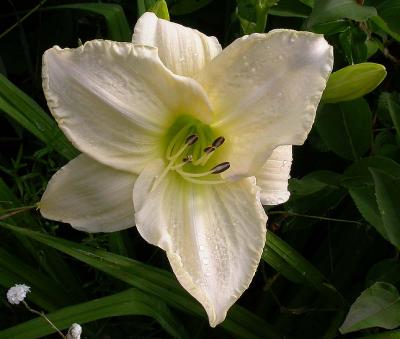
<point x="332" y="253"/>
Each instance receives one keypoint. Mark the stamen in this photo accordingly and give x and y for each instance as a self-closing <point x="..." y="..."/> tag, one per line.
<point x="222" y="167"/>
<point x="191" y="139"/>
<point x="203" y="159"/>
<point x="205" y="182"/>
<point x="173" y="142"/>
<point x="185" y="161"/>
<point x="209" y="149"/>
<point x="218" y="142"/>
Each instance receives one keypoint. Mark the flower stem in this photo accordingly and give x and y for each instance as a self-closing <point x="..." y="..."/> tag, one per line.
<point x="292" y="214"/>
<point x="45" y="318"/>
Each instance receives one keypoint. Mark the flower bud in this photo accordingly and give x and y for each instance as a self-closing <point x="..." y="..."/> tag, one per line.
<point x="74" y="331"/>
<point x="353" y="81"/>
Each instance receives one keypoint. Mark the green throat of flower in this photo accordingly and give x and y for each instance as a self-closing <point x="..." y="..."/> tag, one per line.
<point x="190" y="146"/>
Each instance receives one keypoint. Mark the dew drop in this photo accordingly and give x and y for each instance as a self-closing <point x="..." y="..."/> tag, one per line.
<point x="279" y="94"/>
<point x="253" y="70"/>
<point x="280" y="57"/>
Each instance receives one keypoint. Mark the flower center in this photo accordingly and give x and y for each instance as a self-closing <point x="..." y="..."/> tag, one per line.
<point x="190" y="148"/>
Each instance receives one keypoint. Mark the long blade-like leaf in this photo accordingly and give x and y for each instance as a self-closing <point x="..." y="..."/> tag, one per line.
<point x="293" y="266"/>
<point x="23" y="109"/>
<point x="130" y="302"/>
<point x="154" y="281"/>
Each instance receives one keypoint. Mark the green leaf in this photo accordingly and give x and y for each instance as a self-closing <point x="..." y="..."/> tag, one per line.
<point x="20" y="107"/>
<point x="365" y="201"/>
<point x="286" y="260"/>
<point x="313" y="182"/>
<point x="380" y="23"/>
<point x="391" y="101"/>
<point x="114" y="16"/>
<point x="46" y="293"/>
<point x="353" y="81"/>
<point x="389" y="11"/>
<point x="154" y="281"/>
<point x="377" y="306"/>
<point x="160" y="8"/>
<point x="48" y="260"/>
<point x="387" y="270"/>
<point x="387" y="190"/>
<point x="141" y="7"/>
<point x="359" y="174"/>
<point x="360" y="182"/>
<point x="332" y="10"/>
<point x="353" y="42"/>
<point x="346" y="128"/>
<point x="252" y="14"/>
<point x="183" y="7"/>
<point x="332" y="27"/>
<point x="290" y="8"/>
<point x="129" y="302"/>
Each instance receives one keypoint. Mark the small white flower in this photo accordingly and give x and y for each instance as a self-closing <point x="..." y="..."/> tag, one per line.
<point x="74" y="331"/>
<point x="17" y="293"/>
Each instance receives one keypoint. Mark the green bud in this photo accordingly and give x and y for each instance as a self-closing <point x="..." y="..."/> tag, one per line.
<point x="160" y="8"/>
<point x="353" y="81"/>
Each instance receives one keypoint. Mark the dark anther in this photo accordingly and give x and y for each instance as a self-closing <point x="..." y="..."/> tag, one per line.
<point x="222" y="167"/>
<point x="191" y="139"/>
<point x="218" y="142"/>
<point x="209" y="149"/>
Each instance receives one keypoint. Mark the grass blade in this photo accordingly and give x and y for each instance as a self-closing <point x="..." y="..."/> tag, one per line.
<point x="46" y="293"/>
<point x="48" y="259"/>
<point x="129" y="302"/>
<point x="23" y="109"/>
<point x="157" y="282"/>
<point x="291" y="264"/>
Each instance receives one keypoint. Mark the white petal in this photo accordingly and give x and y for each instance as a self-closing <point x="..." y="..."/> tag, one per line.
<point x="113" y="100"/>
<point x="213" y="234"/>
<point x="266" y="89"/>
<point x="274" y="175"/>
<point x="90" y="196"/>
<point x="183" y="50"/>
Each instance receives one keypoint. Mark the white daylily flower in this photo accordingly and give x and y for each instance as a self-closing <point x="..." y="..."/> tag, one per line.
<point x="185" y="128"/>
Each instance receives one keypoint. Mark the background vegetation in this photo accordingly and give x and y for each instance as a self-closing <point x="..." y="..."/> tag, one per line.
<point x="331" y="263"/>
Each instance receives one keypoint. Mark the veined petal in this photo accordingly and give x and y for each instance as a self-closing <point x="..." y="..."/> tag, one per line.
<point x="113" y="100"/>
<point x="213" y="234"/>
<point x="266" y="89"/>
<point x="90" y="196"/>
<point x="274" y="175"/>
<point x="183" y="50"/>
